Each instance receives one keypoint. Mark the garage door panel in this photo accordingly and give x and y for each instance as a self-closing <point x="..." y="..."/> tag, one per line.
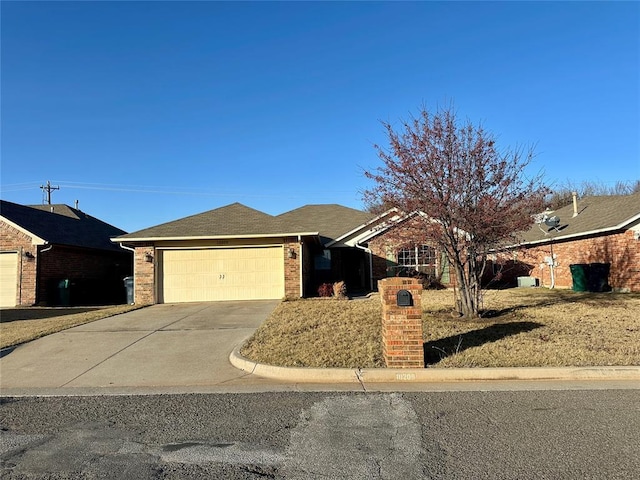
<point x="8" y="279"/>
<point x="222" y="274"/>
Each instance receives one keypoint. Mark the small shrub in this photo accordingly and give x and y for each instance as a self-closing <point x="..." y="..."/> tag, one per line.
<point x="340" y="290"/>
<point x="325" y="290"/>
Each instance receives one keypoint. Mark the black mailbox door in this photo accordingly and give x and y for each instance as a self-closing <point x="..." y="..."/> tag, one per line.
<point x="404" y="298"/>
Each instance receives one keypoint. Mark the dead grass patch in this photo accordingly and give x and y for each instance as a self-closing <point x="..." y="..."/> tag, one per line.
<point x="520" y="328"/>
<point x="19" y="325"/>
<point x="319" y="333"/>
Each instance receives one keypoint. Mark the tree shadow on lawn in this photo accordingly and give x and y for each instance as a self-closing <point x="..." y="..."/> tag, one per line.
<point x="559" y="297"/>
<point x="39" y="313"/>
<point x="436" y="350"/>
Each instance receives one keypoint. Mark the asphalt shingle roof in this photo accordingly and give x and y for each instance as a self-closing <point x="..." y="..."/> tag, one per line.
<point x="594" y="214"/>
<point x="235" y="220"/>
<point x="331" y="220"/>
<point x="62" y="225"/>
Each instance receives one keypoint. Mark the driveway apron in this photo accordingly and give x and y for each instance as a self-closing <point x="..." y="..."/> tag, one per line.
<point x="172" y="345"/>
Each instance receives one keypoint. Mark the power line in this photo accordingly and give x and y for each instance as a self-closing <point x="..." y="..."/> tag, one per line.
<point x="47" y="190"/>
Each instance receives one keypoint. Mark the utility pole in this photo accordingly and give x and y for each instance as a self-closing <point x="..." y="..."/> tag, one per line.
<point x="48" y="189"/>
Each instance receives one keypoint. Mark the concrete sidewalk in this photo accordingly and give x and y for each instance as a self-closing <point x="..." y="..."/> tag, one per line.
<point x="185" y="348"/>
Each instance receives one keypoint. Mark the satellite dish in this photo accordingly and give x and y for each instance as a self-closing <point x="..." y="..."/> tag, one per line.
<point x="552" y="222"/>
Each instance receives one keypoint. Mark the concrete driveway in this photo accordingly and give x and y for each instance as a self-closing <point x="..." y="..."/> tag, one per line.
<point x="173" y="345"/>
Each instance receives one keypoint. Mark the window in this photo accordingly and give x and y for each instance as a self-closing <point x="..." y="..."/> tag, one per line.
<point x="322" y="261"/>
<point x="421" y="258"/>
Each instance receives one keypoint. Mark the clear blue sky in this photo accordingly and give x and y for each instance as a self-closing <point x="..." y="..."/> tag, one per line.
<point x="150" y="111"/>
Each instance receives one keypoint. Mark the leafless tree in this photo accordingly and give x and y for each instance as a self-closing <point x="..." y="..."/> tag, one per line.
<point x="471" y="195"/>
<point x="563" y="194"/>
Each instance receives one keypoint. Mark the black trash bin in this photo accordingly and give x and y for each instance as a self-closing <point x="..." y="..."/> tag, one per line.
<point x="599" y="277"/>
<point x="128" y="285"/>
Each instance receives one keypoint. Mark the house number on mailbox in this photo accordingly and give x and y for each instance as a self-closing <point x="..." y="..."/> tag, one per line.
<point x="404" y="298"/>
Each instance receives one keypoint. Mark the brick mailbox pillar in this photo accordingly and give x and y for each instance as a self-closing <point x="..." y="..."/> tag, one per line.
<point x="402" y="322"/>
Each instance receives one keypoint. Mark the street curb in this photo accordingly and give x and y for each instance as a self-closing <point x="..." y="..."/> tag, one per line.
<point x="416" y="375"/>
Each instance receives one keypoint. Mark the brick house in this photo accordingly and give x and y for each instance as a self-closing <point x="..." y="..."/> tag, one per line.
<point x="236" y="252"/>
<point x="44" y="245"/>
<point x="598" y="231"/>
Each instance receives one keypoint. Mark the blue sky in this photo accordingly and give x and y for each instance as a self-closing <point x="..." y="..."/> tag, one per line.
<point x="146" y="112"/>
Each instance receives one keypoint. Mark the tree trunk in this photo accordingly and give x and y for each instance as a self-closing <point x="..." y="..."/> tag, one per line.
<point x="468" y="292"/>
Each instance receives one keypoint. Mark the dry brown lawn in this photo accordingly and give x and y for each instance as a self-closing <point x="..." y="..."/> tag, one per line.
<point x="19" y="325"/>
<point x="520" y="327"/>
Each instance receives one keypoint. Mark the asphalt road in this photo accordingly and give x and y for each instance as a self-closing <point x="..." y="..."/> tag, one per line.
<point x="584" y="434"/>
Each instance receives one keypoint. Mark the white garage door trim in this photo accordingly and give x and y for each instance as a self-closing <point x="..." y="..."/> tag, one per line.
<point x="216" y="274"/>
<point x="8" y="278"/>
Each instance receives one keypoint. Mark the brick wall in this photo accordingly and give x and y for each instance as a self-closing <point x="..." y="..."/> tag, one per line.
<point x="390" y="242"/>
<point x="95" y="275"/>
<point x="402" y="343"/>
<point x="292" y="269"/>
<point x="144" y="272"/>
<point x="13" y="240"/>
<point x="621" y="250"/>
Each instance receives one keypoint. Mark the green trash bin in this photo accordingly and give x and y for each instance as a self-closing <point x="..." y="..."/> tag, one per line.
<point x="64" y="293"/>
<point x="580" y="276"/>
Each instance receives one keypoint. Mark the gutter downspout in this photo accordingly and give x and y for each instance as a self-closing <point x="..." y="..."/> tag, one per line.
<point x="301" y="259"/>
<point x="368" y="250"/>
<point x="133" y="250"/>
<point x="551" y="268"/>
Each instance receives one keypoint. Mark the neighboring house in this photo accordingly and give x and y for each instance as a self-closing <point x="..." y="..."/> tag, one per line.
<point x="55" y="254"/>
<point x="603" y="230"/>
<point x="239" y="253"/>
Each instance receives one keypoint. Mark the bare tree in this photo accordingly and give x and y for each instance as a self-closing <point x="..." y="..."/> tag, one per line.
<point x="471" y="195"/>
<point x="563" y="194"/>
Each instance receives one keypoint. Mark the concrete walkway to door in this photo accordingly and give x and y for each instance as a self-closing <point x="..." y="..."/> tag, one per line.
<point x="163" y="347"/>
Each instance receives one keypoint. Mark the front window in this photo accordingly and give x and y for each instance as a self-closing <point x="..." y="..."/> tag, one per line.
<point x="421" y="258"/>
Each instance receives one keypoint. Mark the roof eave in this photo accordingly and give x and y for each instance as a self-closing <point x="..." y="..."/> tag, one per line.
<point x="615" y="228"/>
<point x="361" y="227"/>
<point x="35" y="239"/>
<point x="213" y="237"/>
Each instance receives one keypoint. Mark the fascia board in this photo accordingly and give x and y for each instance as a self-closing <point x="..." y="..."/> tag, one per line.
<point x="361" y="227"/>
<point x="543" y="241"/>
<point x="35" y="239"/>
<point x="392" y="223"/>
<point x="213" y="237"/>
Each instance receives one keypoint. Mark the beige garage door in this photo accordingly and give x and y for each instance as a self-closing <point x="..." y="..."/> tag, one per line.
<point x="203" y="275"/>
<point x="8" y="278"/>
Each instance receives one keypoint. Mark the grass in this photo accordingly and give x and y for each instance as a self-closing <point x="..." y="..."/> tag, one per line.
<point x="519" y="328"/>
<point x="19" y="325"/>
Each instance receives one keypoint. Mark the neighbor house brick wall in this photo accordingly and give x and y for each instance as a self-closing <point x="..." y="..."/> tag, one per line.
<point x="95" y="275"/>
<point x="292" y="269"/>
<point x="144" y="273"/>
<point x="402" y="342"/>
<point x="13" y="240"/>
<point x="621" y="250"/>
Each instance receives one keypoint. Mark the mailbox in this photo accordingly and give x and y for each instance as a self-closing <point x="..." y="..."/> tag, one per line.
<point x="404" y="298"/>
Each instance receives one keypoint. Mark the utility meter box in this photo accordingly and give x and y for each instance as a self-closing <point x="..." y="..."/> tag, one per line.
<point x="404" y="298"/>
